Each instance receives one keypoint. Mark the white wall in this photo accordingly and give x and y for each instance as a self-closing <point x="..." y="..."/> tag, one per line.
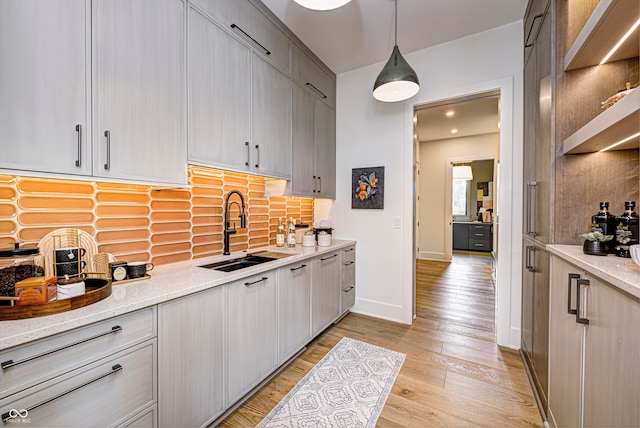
<point x="435" y="157"/>
<point x="372" y="133"/>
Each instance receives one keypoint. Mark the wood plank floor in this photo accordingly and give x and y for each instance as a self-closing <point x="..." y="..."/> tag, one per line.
<point x="454" y="374"/>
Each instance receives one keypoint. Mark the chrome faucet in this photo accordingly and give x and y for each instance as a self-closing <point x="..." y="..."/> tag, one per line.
<point x="227" y="223"/>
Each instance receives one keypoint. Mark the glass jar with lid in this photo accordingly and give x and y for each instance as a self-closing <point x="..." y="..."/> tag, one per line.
<point x="17" y="263"/>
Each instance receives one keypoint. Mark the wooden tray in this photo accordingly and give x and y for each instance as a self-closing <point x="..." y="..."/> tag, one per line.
<point x="95" y="290"/>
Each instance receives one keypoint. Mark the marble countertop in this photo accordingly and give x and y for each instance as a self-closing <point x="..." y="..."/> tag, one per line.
<point x="166" y="283"/>
<point x="618" y="271"/>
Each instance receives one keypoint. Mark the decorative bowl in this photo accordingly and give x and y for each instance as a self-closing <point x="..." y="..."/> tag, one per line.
<point x="594" y="248"/>
<point x="635" y="253"/>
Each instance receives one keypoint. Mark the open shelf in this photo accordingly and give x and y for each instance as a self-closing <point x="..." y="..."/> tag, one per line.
<point x="610" y="20"/>
<point x="618" y="122"/>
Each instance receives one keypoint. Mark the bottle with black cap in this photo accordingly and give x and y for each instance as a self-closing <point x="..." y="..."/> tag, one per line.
<point x="605" y="223"/>
<point x="627" y="230"/>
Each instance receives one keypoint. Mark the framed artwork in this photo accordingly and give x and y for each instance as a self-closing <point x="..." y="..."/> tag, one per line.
<point x="367" y="188"/>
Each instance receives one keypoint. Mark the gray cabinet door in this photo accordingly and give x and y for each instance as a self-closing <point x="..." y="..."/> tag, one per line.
<point x="460" y="236"/>
<point x="271" y="120"/>
<point x="44" y="116"/>
<point x="252" y="350"/>
<point x="303" y="179"/>
<point x="191" y="359"/>
<point x="325" y="285"/>
<point x="294" y="320"/>
<point x="139" y="90"/>
<point x="219" y="96"/>
<point x="325" y="150"/>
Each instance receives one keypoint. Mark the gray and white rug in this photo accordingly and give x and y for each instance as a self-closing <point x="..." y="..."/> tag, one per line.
<point x="347" y="388"/>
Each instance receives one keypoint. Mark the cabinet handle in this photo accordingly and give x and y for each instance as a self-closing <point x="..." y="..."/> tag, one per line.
<point x="10" y="415"/>
<point x="530" y="211"/>
<point x="319" y="184"/>
<point x="11" y="363"/>
<point x="108" y="164"/>
<point x="298" y="268"/>
<point x="264" y="278"/>
<point x="479" y="245"/>
<point x="535" y="18"/>
<point x="327" y="258"/>
<point x="315" y="182"/>
<point x="246" y="143"/>
<point x="586" y="283"/>
<point x="530" y="249"/>
<point x="266" y="51"/>
<point x="348" y="263"/>
<point x="346" y="290"/>
<point x="349" y="249"/>
<point x="572" y="276"/>
<point x="312" y="86"/>
<point x="258" y="150"/>
<point x="79" y="131"/>
<point x="479" y="234"/>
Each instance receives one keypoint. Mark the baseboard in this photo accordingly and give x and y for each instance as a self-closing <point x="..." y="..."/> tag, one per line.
<point x="425" y="255"/>
<point x="380" y="310"/>
<point x="532" y="383"/>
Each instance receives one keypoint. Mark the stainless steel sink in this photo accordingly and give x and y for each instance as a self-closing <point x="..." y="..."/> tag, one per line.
<point x="239" y="263"/>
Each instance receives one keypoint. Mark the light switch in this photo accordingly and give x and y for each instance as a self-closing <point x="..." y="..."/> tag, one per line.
<point x="397" y="222"/>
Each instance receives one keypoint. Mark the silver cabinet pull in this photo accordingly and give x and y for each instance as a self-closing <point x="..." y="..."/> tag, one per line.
<point x="479" y="245"/>
<point x="10" y="363"/>
<point x="108" y="164"/>
<point x="579" y="319"/>
<point x="266" y="51"/>
<point x="349" y="249"/>
<point x="530" y="211"/>
<point x="327" y="258"/>
<point x="348" y="263"/>
<point x="264" y="278"/>
<point x="570" y="310"/>
<point x="298" y="268"/>
<point x="529" y="265"/>
<point x="114" y="369"/>
<point x="311" y="85"/>
<point x="346" y="290"/>
<point x="79" y="131"/>
<point x="258" y="151"/>
<point x="479" y="234"/>
<point x="246" y="143"/>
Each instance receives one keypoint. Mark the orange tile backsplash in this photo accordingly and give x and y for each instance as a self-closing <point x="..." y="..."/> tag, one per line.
<point x="141" y="223"/>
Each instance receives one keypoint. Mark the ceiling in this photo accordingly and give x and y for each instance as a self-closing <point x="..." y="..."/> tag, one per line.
<point x="362" y="32"/>
<point x="471" y="117"/>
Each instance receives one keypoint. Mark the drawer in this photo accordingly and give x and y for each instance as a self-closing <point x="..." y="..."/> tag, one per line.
<point x="148" y="418"/>
<point x="475" y="228"/>
<point x="104" y="393"/>
<point x="347" y="298"/>
<point x="479" y="245"/>
<point x="27" y="365"/>
<point x="348" y="273"/>
<point x="349" y="254"/>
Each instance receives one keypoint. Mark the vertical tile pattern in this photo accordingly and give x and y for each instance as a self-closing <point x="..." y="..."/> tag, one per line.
<point x="140" y="223"/>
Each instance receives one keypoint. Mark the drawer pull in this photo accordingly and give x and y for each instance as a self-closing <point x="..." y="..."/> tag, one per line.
<point x="264" y="278"/>
<point x="346" y="290"/>
<point x="349" y="249"/>
<point x="348" y="263"/>
<point x="327" y="258"/>
<point x="312" y="86"/>
<point x="11" y="363"/>
<point x="479" y="234"/>
<point x="298" y="268"/>
<point x="266" y="51"/>
<point x="10" y="415"/>
<point x="479" y="245"/>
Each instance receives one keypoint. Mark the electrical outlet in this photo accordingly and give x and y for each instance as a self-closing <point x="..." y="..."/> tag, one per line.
<point x="397" y="222"/>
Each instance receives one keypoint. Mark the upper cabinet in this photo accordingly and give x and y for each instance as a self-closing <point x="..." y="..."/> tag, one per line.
<point x="139" y="90"/>
<point x="239" y="100"/>
<point x="133" y="125"/>
<point x="314" y="129"/>
<point x="44" y="116"/>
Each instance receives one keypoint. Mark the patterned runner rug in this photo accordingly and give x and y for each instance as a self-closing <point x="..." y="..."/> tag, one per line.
<point x="347" y="388"/>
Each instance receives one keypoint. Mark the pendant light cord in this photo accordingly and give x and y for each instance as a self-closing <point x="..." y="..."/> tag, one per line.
<point x="396" y="39"/>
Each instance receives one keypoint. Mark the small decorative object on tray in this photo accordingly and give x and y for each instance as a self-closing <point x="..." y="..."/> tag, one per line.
<point x="595" y="243"/>
<point x="617" y="97"/>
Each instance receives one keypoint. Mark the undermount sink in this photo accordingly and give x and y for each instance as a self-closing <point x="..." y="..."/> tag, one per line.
<point x="239" y="263"/>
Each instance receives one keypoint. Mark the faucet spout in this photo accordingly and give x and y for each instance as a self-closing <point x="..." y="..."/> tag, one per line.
<point x="227" y="223"/>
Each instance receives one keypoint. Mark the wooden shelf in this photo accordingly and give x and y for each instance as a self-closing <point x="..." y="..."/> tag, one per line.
<point x="618" y="122"/>
<point x="610" y="20"/>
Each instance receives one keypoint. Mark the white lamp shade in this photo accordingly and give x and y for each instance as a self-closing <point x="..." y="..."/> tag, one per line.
<point x="396" y="91"/>
<point x="462" y="172"/>
<point x="322" y="4"/>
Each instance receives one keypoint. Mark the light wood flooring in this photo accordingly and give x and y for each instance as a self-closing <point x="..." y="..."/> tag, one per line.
<point x="454" y="374"/>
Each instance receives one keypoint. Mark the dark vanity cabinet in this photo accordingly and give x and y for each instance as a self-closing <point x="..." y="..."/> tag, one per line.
<point x="473" y="236"/>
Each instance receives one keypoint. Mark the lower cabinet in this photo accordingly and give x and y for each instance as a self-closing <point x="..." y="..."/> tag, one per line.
<point x="594" y="376"/>
<point x="294" y="298"/>
<point x="473" y="236"/>
<point x="252" y="350"/>
<point x="535" y="316"/>
<point x="348" y="279"/>
<point x="191" y="358"/>
<point x="104" y="393"/>
<point x="325" y="295"/>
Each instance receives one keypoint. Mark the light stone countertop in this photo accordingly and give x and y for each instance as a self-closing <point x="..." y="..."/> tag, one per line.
<point x="166" y="283"/>
<point x="620" y="272"/>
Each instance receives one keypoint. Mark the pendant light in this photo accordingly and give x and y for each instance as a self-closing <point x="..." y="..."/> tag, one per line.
<point x="322" y="4"/>
<point x="397" y="81"/>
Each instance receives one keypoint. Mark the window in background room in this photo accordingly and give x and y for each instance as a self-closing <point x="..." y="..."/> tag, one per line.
<point x="459" y="197"/>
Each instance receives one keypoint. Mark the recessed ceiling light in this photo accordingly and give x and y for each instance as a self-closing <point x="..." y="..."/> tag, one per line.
<point x="322" y="4"/>
<point x="621" y="41"/>
<point x="450" y="113"/>
<point x="454" y="131"/>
